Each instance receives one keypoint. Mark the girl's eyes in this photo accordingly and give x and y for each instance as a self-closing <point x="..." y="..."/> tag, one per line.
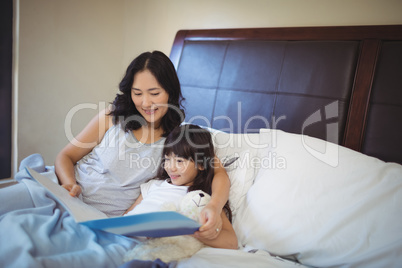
<point x="167" y="161"/>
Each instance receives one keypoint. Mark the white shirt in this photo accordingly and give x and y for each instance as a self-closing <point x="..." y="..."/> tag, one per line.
<point x="156" y="194"/>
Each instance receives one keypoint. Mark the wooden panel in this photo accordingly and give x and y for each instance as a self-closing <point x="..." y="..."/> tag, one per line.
<point x="358" y="107"/>
<point x="387" y="32"/>
<point x="177" y="47"/>
<point x="370" y="38"/>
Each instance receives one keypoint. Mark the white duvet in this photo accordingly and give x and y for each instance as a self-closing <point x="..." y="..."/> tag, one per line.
<point x="304" y="198"/>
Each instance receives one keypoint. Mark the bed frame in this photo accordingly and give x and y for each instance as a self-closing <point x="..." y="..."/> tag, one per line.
<point x="342" y="84"/>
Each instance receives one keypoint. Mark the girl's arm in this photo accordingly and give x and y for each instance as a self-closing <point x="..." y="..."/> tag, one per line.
<point x="80" y="146"/>
<point x="139" y="199"/>
<point x="226" y="238"/>
<point x="220" y="195"/>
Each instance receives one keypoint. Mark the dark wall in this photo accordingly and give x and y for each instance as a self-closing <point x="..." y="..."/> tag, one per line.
<point x="6" y="41"/>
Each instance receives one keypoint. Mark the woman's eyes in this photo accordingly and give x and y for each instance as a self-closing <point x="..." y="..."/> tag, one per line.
<point x="137" y="93"/>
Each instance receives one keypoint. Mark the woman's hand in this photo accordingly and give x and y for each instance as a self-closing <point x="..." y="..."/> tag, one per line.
<point x="211" y="222"/>
<point x="210" y="217"/>
<point x="74" y="189"/>
<point x="225" y="238"/>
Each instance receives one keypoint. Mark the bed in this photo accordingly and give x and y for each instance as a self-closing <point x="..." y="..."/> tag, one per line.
<point x="313" y="116"/>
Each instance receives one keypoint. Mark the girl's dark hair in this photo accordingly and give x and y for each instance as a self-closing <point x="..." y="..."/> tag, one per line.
<point x="163" y="70"/>
<point x="195" y="144"/>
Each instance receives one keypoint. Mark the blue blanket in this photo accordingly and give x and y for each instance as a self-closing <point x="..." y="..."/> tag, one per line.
<point x="45" y="235"/>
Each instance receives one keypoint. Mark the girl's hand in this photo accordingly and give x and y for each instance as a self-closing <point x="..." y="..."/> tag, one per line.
<point x="211" y="222"/>
<point x="74" y="189"/>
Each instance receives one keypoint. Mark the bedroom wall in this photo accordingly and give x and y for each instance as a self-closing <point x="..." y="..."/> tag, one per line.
<point x="73" y="53"/>
<point x="69" y="58"/>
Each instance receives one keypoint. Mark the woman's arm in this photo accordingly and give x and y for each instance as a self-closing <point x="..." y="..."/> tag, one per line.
<point x="80" y="146"/>
<point x="227" y="237"/>
<point x="220" y="194"/>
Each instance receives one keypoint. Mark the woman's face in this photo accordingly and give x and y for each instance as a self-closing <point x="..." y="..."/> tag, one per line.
<point x="150" y="99"/>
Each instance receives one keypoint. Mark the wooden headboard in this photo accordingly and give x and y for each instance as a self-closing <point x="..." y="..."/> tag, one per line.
<point x="342" y="84"/>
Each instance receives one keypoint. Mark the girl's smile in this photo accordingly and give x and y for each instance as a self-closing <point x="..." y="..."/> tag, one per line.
<point x="174" y="177"/>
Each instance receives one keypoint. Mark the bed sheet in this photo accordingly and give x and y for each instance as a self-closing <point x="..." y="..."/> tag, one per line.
<point x="37" y="232"/>
<point x="217" y="258"/>
<point x="47" y="236"/>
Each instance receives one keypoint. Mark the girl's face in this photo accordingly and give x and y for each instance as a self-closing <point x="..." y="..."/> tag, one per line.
<point x="150" y="99"/>
<point x="180" y="170"/>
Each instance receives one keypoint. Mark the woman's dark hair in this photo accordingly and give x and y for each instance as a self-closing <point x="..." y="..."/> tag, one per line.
<point x="163" y="70"/>
<point x="193" y="143"/>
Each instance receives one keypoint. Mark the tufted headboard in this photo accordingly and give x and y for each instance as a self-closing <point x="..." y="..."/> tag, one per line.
<point x="342" y="84"/>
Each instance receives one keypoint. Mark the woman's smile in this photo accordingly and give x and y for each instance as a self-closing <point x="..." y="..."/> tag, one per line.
<point x="150" y="99"/>
<point x="150" y="111"/>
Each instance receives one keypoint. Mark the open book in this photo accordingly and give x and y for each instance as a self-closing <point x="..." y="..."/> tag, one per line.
<point x="154" y="224"/>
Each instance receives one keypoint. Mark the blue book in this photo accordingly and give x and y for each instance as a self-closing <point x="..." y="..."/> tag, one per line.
<point x="154" y="224"/>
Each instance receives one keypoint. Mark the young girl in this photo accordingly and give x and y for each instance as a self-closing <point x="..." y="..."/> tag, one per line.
<point x="187" y="165"/>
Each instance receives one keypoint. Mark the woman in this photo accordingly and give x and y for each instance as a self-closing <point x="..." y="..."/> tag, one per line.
<point x="121" y="147"/>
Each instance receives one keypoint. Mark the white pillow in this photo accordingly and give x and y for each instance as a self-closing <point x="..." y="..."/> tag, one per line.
<point x="241" y="172"/>
<point x="241" y="177"/>
<point x="324" y="204"/>
<point x="243" y="148"/>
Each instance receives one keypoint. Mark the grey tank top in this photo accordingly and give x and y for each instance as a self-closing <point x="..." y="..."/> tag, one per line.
<point x="111" y="174"/>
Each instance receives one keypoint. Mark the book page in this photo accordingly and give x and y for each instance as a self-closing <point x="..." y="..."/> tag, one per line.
<point x="154" y="224"/>
<point x="79" y="210"/>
